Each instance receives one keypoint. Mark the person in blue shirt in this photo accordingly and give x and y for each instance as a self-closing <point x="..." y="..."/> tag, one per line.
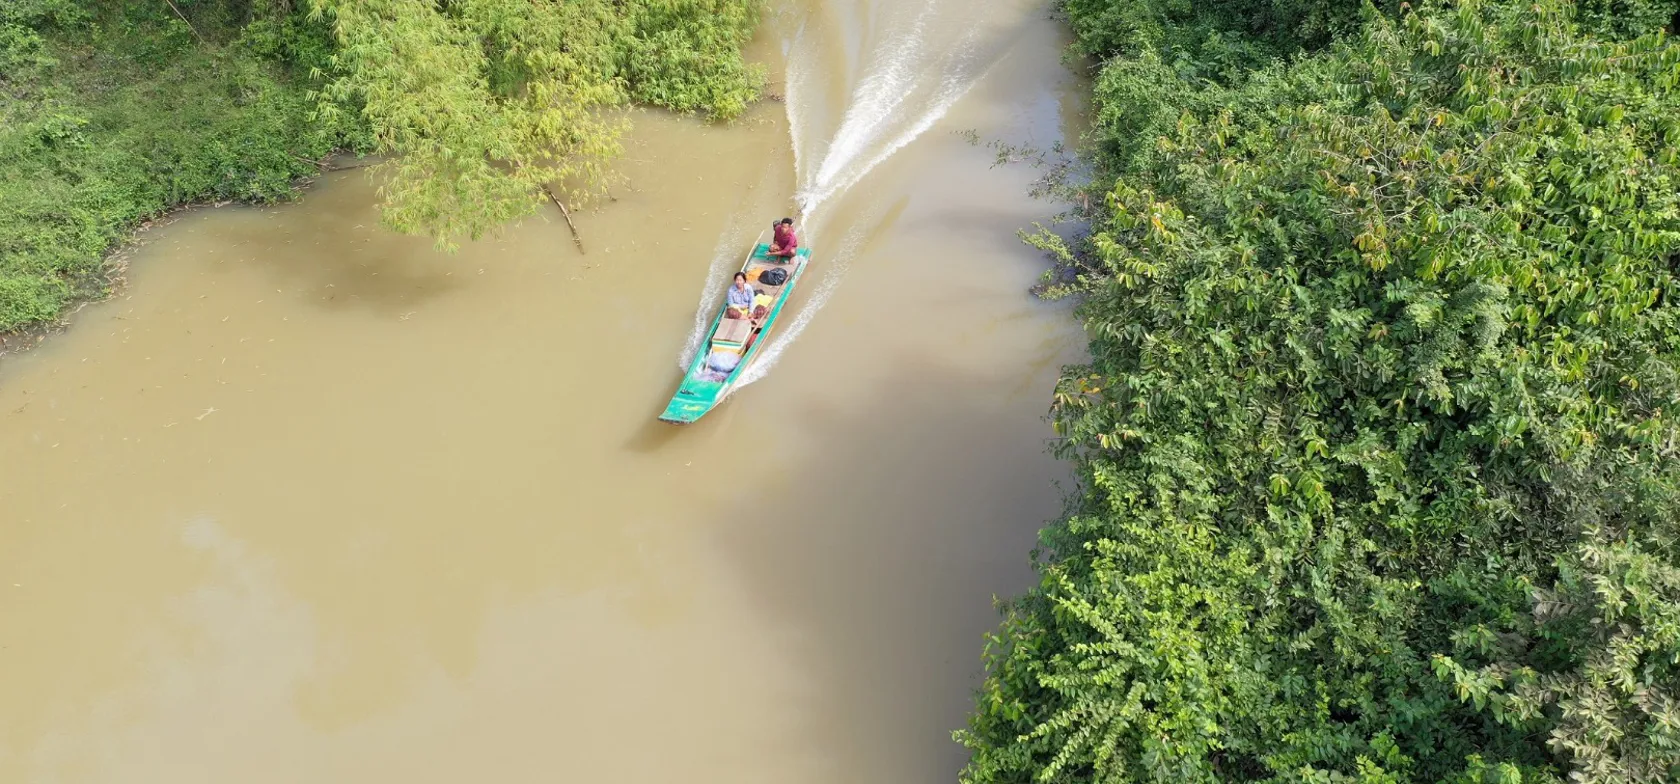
<point x="741" y="294"/>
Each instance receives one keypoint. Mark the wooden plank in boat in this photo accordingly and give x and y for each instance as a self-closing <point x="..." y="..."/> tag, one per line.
<point x="733" y="331"/>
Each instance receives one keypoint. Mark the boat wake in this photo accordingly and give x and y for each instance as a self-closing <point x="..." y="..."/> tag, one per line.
<point x="909" y="83"/>
<point x="834" y="266"/>
<point x="726" y="259"/>
<point x="908" y="71"/>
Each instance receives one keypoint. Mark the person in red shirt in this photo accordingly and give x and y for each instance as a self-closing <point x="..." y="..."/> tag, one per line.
<point x="784" y="244"/>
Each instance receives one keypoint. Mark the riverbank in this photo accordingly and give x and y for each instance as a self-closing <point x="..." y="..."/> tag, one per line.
<point x="111" y="276"/>
<point x="117" y="115"/>
<point x="105" y="284"/>
<point x="1377" y="481"/>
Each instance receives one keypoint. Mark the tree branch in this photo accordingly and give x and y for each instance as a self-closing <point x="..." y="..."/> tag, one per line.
<point x="563" y="211"/>
<point x="189" y="22"/>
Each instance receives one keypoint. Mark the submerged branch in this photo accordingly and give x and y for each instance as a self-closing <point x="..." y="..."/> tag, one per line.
<point x="563" y="211"/>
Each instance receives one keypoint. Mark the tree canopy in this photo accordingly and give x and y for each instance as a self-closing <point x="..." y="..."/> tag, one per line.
<point x="113" y="111"/>
<point x="481" y="103"/>
<point x="1377" y="441"/>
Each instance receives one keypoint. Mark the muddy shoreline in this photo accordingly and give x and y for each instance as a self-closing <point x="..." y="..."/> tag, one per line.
<point x="112" y="278"/>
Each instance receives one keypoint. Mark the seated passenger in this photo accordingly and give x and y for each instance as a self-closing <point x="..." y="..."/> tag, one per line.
<point x="740" y="296"/>
<point x="784" y="244"/>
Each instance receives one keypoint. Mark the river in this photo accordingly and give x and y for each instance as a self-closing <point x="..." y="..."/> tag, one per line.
<point x="311" y="502"/>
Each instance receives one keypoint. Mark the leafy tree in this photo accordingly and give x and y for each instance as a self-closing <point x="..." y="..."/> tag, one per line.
<point x="1629" y="18"/>
<point x="1376" y="439"/>
<point x="1215" y="39"/>
<point x="685" y="55"/>
<point x="115" y="110"/>
<point x="484" y="102"/>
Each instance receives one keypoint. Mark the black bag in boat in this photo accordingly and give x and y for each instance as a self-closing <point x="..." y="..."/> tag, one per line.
<point x="774" y="276"/>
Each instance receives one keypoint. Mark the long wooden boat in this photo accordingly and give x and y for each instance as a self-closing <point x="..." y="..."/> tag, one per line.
<point x="704" y="387"/>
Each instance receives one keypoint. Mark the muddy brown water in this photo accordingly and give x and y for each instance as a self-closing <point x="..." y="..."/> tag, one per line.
<point x="312" y="502"/>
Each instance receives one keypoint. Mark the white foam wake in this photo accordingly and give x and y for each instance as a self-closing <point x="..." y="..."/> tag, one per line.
<point x="834" y="268"/>
<point x="811" y="199"/>
<point x="873" y="106"/>
<point x="726" y="259"/>
<point x="908" y="86"/>
<point x="879" y="119"/>
<point x="794" y="96"/>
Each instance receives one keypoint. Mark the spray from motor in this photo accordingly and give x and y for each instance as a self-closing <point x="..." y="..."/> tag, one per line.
<point x="909" y="83"/>
<point x="726" y="257"/>
<point x="831" y="273"/>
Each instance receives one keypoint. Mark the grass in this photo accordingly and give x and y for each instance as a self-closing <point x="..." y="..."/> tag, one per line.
<point x="111" y="120"/>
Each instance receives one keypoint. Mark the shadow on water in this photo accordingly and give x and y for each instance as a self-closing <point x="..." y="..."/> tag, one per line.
<point x="883" y="567"/>
<point x="346" y="260"/>
<point x="653" y="435"/>
<point x="386" y="284"/>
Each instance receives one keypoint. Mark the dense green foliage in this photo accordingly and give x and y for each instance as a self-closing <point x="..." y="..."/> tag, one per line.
<point x="112" y="113"/>
<point x="484" y="102"/>
<point x="1210" y="39"/>
<point x="116" y="110"/>
<point x="1377" y="440"/>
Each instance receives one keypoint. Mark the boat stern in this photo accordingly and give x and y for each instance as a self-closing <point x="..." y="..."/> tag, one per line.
<point x="692" y="401"/>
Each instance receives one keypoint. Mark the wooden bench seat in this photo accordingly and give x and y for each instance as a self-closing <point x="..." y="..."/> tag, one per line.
<point x="733" y="331"/>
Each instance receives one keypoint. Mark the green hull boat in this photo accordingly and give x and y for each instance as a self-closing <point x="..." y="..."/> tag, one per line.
<point x="703" y="388"/>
